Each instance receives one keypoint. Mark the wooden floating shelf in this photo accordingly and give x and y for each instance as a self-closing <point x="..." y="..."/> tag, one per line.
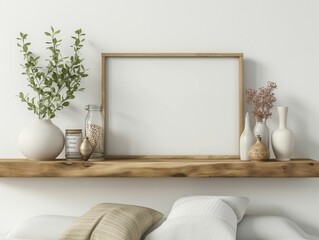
<point x="157" y="168"/>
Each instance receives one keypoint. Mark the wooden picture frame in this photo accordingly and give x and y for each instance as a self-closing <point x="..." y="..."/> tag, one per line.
<point x="106" y="59"/>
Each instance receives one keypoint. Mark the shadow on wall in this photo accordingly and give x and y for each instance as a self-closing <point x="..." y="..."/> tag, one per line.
<point x="251" y="70"/>
<point x="299" y="117"/>
<point x="118" y="142"/>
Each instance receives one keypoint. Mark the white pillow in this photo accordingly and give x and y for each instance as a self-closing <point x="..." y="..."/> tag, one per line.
<point x="219" y="223"/>
<point x="44" y="227"/>
<point x="202" y="218"/>
<point x="270" y="228"/>
<point x="48" y="227"/>
<point x="205" y="205"/>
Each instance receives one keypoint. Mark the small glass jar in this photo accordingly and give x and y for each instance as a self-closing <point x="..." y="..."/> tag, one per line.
<point x="94" y="130"/>
<point x="73" y="140"/>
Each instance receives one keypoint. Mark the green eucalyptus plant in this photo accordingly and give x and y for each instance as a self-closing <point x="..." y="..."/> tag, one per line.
<point x="56" y="84"/>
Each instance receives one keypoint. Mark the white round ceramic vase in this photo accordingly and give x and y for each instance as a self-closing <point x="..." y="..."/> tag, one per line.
<point x="41" y="140"/>
<point x="282" y="139"/>
<point x="247" y="139"/>
<point x="262" y="130"/>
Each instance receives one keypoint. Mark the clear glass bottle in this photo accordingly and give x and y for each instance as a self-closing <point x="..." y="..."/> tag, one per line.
<point x="94" y="130"/>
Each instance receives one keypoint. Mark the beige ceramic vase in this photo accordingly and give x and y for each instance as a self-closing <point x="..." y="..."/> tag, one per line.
<point x="258" y="152"/>
<point x="41" y="140"/>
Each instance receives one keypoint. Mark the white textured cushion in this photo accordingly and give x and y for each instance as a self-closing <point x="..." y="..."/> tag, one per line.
<point x="220" y="223"/>
<point x="206" y="205"/>
<point x="270" y="228"/>
<point x="44" y="227"/>
<point x="202" y="218"/>
<point x="194" y="228"/>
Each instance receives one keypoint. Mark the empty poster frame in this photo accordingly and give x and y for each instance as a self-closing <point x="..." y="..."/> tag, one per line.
<point x="105" y="68"/>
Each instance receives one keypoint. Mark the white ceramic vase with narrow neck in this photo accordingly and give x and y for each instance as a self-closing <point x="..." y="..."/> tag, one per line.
<point x="247" y="139"/>
<point x="262" y="130"/>
<point x="41" y="140"/>
<point x="282" y="139"/>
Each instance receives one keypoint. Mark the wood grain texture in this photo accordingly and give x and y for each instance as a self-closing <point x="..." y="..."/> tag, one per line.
<point x="241" y="94"/>
<point x="103" y="85"/>
<point x="222" y="55"/>
<point x="170" y="157"/>
<point x="159" y="168"/>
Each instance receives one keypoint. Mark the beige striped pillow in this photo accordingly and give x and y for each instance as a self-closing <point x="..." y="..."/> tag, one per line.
<point x="112" y="222"/>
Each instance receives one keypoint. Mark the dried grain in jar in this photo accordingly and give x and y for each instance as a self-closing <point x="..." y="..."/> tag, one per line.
<point x="94" y="130"/>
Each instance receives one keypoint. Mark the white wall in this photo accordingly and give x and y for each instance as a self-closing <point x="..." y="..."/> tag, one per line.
<point x="279" y="38"/>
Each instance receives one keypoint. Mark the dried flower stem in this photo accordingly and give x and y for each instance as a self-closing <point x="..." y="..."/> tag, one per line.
<point x="261" y="100"/>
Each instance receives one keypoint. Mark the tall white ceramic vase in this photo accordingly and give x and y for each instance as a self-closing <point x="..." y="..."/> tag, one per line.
<point x="41" y="140"/>
<point x="282" y="139"/>
<point x="262" y="130"/>
<point x="247" y="139"/>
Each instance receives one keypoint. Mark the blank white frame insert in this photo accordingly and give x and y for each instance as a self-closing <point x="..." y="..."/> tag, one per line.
<point x="173" y="104"/>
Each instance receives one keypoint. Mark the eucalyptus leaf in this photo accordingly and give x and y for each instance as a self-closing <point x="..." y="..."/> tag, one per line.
<point x="55" y="85"/>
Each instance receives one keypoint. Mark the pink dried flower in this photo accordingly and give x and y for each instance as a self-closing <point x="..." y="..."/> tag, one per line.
<point x="261" y="100"/>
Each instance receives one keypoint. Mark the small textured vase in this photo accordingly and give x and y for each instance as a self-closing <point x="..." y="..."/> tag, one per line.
<point x="262" y="130"/>
<point x="86" y="149"/>
<point x="247" y="139"/>
<point x="282" y="139"/>
<point x="258" y="152"/>
<point x="41" y="140"/>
